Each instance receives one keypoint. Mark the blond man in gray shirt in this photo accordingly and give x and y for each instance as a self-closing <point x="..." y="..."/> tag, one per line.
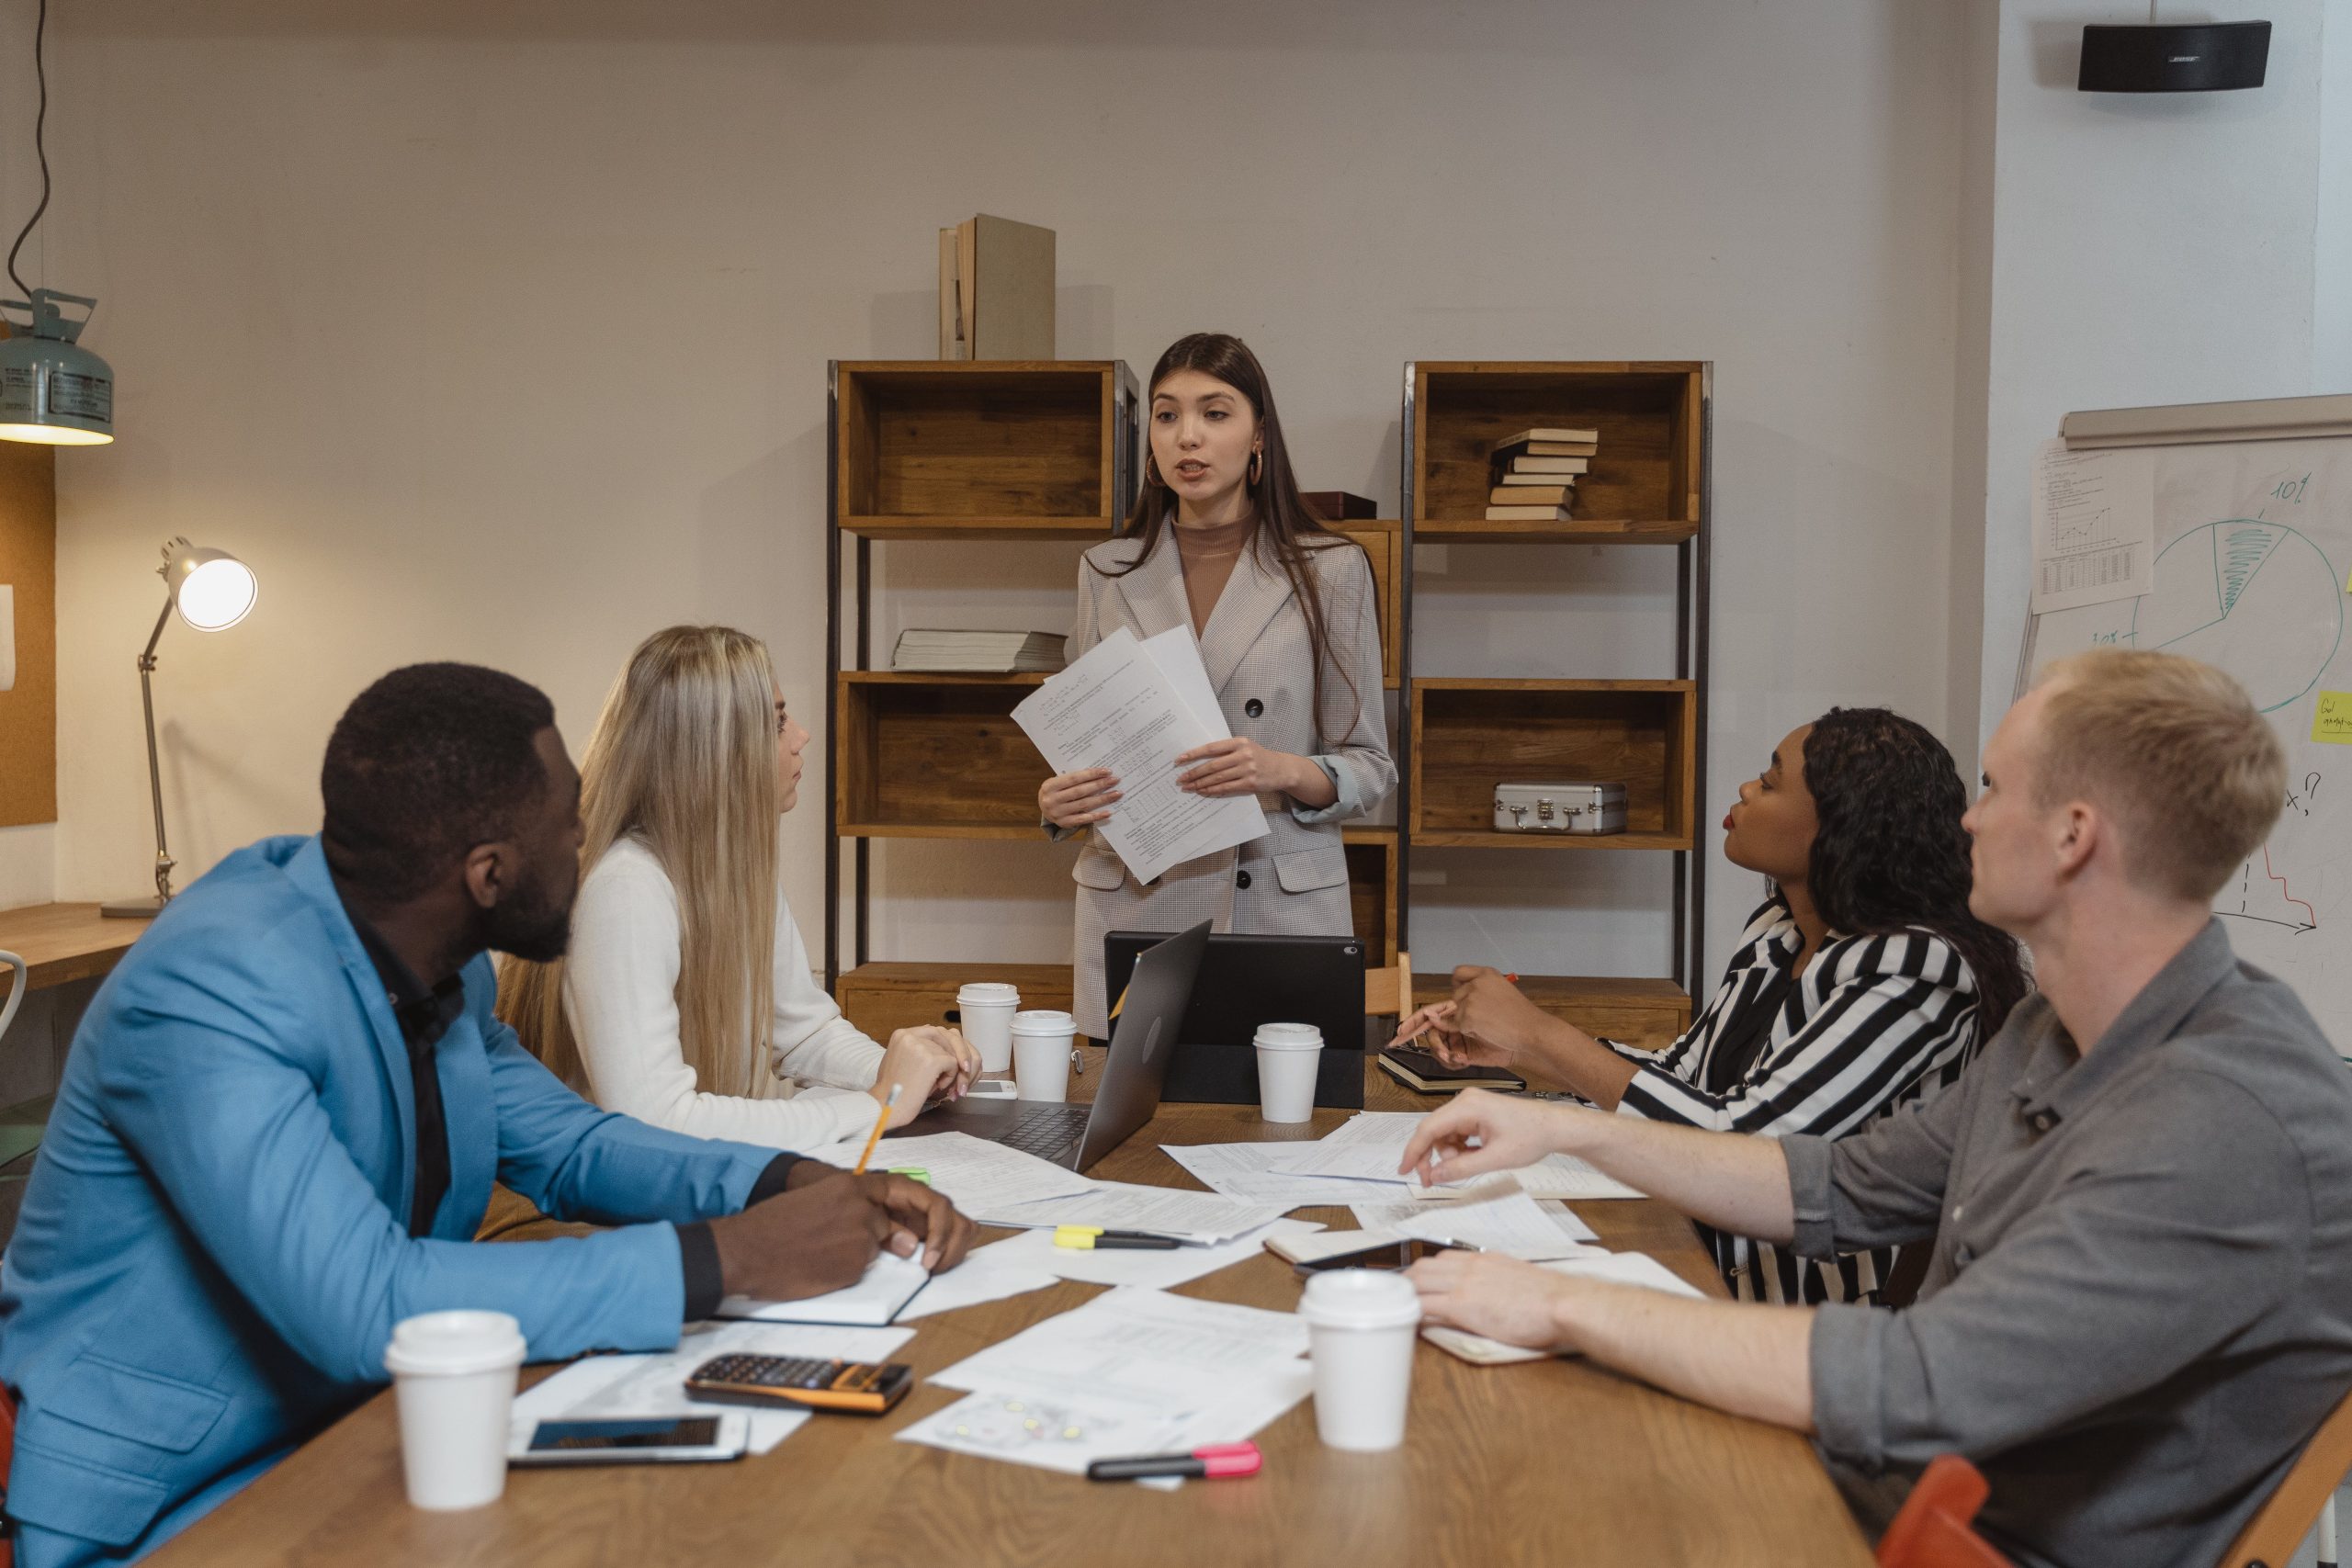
<point x="2139" y="1305"/>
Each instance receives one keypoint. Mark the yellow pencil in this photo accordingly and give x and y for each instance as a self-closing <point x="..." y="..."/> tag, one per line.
<point x="879" y="1123"/>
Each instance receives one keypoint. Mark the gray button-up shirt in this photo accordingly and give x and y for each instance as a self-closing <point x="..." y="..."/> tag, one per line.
<point x="2140" y="1301"/>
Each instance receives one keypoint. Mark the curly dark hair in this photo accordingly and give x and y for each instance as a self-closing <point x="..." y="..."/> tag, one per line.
<point x="1890" y="852"/>
<point x="427" y="763"/>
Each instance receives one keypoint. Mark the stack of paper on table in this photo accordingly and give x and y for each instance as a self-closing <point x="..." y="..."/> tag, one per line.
<point x="979" y="1176"/>
<point x="1156" y="1269"/>
<point x="1200" y="1217"/>
<point x="1255" y="1172"/>
<point x="987" y="1273"/>
<point x="1507" y="1222"/>
<point x="1369" y="1146"/>
<point x="1133" y="1371"/>
<point x="624" y="1388"/>
<point x="1614" y="1267"/>
<point x="1133" y="708"/>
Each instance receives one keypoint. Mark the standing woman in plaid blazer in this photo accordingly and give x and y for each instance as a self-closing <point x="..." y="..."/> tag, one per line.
<point x="1288" y="626"/>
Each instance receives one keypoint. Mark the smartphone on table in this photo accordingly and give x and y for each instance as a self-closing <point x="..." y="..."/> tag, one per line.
<point x="659" y="1440"/>
<point x="1388" y="1254"/>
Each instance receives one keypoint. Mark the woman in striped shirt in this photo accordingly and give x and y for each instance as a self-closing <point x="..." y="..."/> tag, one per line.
<point x="1860" y="984"/>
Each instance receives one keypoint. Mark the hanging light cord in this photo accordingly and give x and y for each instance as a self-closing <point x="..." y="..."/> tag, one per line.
<point x="40" y="147"/>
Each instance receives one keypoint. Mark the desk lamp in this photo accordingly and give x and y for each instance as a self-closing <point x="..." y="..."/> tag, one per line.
<point x="212" y="590"/>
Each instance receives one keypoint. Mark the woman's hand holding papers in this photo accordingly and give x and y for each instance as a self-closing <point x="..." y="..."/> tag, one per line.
<point x="1239" y="766"/>
<point x="1078" y="799"/>
<point x="827" y="1226"/>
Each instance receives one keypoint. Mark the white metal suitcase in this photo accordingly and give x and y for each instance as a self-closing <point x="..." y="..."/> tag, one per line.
<point x="1559" y="806"/>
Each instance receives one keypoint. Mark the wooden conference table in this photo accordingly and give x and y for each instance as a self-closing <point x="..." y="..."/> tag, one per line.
<point x="1549" y="1462"/>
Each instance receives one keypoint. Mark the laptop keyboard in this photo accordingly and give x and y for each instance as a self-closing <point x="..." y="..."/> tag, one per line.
<point x="1050" y="1131"/>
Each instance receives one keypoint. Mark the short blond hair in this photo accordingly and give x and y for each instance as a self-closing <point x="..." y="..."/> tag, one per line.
<point x="2175" y="750"/>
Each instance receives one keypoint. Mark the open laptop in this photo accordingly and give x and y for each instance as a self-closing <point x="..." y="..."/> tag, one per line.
<point x="1245" y="981"/>
<point x="1143" y="1039"/>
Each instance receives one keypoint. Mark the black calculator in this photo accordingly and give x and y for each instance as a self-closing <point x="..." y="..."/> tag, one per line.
<point x="802" y="1382"/>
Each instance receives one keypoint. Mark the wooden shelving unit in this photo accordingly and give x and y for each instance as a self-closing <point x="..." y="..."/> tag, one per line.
<point x="1648" y="484"/>
<point x="982" y="451"/>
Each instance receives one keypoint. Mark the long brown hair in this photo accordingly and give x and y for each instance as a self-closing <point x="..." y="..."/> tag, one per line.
<point x="1286" y="530"/>
<point x="682" y="760"/>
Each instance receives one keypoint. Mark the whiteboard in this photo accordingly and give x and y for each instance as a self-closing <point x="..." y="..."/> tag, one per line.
<point x="2252" y="542"/>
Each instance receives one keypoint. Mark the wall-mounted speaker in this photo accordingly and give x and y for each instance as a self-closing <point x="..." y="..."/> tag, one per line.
<point x="2210" y="57"/>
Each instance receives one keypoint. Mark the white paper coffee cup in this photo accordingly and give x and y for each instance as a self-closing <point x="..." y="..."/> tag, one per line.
<point x="1041" y="1047"/>
<point x="1288" y="1055"/>
<point x="453" y="1378"/>
<point x="988" y="1007"/>
<point x="1360" y="1328"/>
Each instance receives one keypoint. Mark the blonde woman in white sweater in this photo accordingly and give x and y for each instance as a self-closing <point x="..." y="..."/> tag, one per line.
<point x="685" y="1000"/>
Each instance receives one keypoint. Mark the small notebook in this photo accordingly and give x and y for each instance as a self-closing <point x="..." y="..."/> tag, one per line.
<point x="1417" y="1068"/>
<point x="889" y="1283"/>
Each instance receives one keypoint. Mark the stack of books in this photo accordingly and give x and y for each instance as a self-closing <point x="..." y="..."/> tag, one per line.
<point x="928" y="651"/>
<point x="1535" y="474"/>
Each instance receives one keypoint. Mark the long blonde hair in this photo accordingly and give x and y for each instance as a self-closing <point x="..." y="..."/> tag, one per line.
<point x="684" y="760"/>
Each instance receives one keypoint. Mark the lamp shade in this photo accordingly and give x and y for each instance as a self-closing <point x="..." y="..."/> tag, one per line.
<point x="211" y="589"/>
<point x="53" y="390"/>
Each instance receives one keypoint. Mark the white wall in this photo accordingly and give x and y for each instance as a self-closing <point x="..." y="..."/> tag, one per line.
<point x="2156" y="249"/>
<point x="498" y="334"/>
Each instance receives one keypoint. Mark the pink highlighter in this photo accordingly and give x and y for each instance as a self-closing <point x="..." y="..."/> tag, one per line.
<point x="1213" y="1463"/>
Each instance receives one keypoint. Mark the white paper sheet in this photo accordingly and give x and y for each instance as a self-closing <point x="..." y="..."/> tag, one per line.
<point x="1614" y="1267"/>
<point x="1131" y="1371"/>
<point x="611" y="1388"/>
<point x="1155" y="1270"/>
<point x="2094" y="526"/>
<point x="1507" y="1222"/>
<point x="889" y="1283"/>
<point x="987" y="1274"/>
<point x="1117" y="708"/>
<point x="1206" y="1217"/>
<point x="1249" y="1171"/>
<point x="1368" y="1147"/>
<point x="976" y="1175"/>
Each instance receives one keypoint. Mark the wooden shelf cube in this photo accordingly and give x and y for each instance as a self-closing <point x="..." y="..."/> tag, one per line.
<point x="881" y="997"/>
<point x="930" y="449"/>
<point x="1650" y="1014"/>
<point x="1470" y="735"/>
<point x="936" y="757"/>
<point x="1644" y="483"/>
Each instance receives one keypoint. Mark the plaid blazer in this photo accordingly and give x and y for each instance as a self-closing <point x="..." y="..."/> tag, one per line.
<point x="1294" y="880"/>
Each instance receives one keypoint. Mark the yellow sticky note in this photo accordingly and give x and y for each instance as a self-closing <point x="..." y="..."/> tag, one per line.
<point x="2332" y="722"/>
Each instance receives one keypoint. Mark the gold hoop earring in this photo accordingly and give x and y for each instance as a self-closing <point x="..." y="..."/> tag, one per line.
<point x="1257" y="465"/>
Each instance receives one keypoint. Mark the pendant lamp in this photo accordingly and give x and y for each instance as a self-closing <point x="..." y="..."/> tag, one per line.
<point x="53" y="390"/>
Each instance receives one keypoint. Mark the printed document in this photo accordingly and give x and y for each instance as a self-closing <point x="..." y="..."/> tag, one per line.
<point x="1119" y="707"/>
<point x="1254" y="1172"/>
<point x="1509" y="1223"/>
<point x="2094" y="526"/>
<point x="979" y="1176"/>
<point x="1368" y="1147"/>
<point x="1203" y="1217"/>
<point x="1131" y="1371"/>
<point x="1613" y="1268"/>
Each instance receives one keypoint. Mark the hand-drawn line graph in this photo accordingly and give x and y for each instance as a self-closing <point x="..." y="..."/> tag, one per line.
<point x="2253" y="597"/>
<point x="2275" y="886"/>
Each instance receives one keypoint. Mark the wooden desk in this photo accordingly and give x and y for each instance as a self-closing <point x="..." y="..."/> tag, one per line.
<point x="1557" y="1462"/>
<point x="61" y="942"/>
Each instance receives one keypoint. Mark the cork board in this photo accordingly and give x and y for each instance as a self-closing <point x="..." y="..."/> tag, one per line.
<point x="28" y="565"/>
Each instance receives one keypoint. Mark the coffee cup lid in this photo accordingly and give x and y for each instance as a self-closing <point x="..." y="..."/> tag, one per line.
<point x="987" y="991"/>
<point x="1361" y="1298"/>
<point x="1289" y="1037"/>
<point x="451" y="1344"/>
<point x="1043" y="1021"/>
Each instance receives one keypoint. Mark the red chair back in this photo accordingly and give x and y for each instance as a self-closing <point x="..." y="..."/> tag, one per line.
<point x="1932" y="1530"/>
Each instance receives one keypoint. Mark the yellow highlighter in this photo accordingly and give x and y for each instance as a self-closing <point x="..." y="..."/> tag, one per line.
<point x="1094" y="1238"/>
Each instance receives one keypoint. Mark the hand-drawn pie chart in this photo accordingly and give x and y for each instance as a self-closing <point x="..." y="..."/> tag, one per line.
<point x="2252" y="597"/>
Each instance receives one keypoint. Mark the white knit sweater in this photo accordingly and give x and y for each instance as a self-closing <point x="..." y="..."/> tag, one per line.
<point x="620" y="986"/>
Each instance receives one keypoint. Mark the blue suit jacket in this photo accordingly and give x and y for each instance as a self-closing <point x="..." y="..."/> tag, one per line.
<point x="213" y="1247"/>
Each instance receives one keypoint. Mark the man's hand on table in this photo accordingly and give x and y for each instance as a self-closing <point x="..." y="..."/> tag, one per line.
<point x="827" y="1226"/>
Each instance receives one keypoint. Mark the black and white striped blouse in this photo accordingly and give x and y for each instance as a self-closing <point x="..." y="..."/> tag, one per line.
<point x="1873" y="1024"/>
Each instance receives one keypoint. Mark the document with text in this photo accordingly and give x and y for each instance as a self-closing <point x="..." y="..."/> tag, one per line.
<point x="1120" y="707"/>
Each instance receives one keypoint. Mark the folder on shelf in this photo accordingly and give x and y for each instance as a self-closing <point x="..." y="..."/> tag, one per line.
<point x="996" y="290"/>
